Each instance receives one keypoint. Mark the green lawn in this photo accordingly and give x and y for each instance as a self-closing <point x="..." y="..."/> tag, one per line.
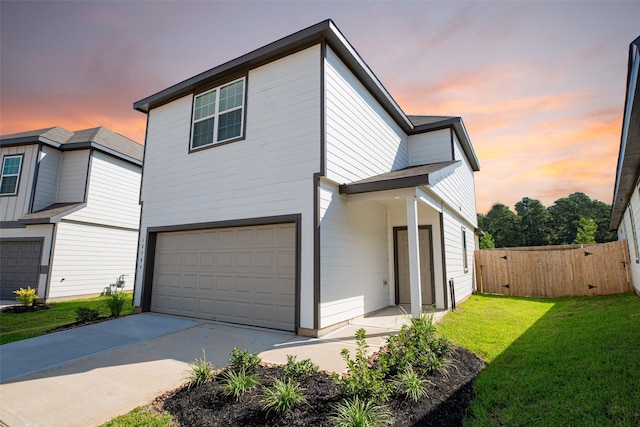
<point x="16" y="327"/>
<point x="552" y="362"/>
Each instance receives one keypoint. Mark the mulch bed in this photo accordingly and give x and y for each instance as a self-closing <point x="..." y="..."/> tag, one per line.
<point x="445" y="405"/>
<point x="38" y="306"/>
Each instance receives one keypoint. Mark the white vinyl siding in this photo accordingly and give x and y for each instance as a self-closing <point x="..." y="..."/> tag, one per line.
<point x="48" y="178"/>
<point x="14" y="207"/>
<point x="463" y="280"/>
<point x="625" y="231"/>
<point x="362" y="140"/>
<point x="73" y="176"/>
<point x="269" y="173"/>
<point x="354" y="258"/>
<point x="114" y="189"/>
<point x="430" y="147"/>
<point x="456" y="186"/>
<point x="89" y="258"/>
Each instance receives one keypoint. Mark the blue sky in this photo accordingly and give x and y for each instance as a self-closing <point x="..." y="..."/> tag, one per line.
<point x="539" y="85"/>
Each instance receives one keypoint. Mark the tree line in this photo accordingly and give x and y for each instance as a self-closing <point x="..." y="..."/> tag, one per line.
<point x="572" y="219"/>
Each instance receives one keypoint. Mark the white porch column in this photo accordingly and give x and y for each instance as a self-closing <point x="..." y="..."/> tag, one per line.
<point x="414" y="257"/>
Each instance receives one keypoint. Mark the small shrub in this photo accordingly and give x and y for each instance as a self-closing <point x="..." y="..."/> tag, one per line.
<point x="299" y="371"/>
<point x="115" y="301"/>
<point x="281" y="396"/>
<point x="409" y="384"/>
<point x="86" y="314"/>
<point x="360" y="413"/>
<point x="362" y="380"/>
<point x="199" y="371"/>
<point x="416" y="345"/>
<point x="26" y="297"/>
<point x="244" y="360"/>
<point x="237" y="383"/>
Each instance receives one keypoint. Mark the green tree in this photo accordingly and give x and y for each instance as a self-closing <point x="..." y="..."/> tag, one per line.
<point x="534" y="222"/>
<point x="503" y="225"/>
<point x="565" y="217"/>
<point x="586" y="231"/>
<point x="601" y="214"/>
<point x="486" y="241"/>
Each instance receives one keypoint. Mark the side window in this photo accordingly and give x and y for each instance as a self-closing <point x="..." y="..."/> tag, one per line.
<point x="634" y="234"/>
<point x="10" y="177"/>
<point x="465" y="261"/>
<point x="218" y="115"/>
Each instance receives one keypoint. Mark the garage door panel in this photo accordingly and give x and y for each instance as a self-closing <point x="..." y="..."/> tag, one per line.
<point x="244" y="260"/>
<point x="241" y="275"/>
<point x="265" y="260"/>
<point x="19" y="266"/>
<point x="265" y="285"/>
<point x="206" y="283"/>
<point x="225" y="260"/>
<point x="266" y="236"/>
<point x="226" y="238"/>
<point x="207" y="259"/>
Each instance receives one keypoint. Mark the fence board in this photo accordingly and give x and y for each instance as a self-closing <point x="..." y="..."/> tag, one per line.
<point x="553" y="271"/>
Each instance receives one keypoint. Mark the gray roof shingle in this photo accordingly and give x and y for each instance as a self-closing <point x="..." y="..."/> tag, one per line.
<point x="99" y="138"/>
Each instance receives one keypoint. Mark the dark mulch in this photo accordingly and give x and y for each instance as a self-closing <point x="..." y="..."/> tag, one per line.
<point x="38" y="306"/>
<point x="446" y="404"/>
<point x="78" y="324"/>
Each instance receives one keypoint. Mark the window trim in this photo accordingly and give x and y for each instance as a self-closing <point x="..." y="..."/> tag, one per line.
<point x="18" y="175"/>
<point x="465" y="256"/>
<point x="243" y="108"/>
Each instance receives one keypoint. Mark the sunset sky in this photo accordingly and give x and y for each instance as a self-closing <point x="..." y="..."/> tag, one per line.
<point x="540" y="85"/>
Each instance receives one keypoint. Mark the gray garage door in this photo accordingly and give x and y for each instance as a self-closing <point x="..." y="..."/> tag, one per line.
<point x="19" y="266"/>
<point x="240" y="275"/>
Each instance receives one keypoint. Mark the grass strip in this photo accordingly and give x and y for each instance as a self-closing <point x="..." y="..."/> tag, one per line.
<point x="20" y="326"/>
<point x="558" y="361"/>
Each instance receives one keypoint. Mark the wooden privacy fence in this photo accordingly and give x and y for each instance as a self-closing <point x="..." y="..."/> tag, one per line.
<point x="553" y="271"/>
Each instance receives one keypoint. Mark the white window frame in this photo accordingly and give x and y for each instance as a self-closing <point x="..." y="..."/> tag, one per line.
<point x="216" y="115"/>
<point x="4" y="175"/>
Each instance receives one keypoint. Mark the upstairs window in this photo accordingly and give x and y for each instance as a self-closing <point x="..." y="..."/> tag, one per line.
<point x="218" y="115"/>
<point x="10" y="176"/>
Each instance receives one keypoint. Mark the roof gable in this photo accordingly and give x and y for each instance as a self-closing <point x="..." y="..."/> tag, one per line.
<point x="323" y="32"/>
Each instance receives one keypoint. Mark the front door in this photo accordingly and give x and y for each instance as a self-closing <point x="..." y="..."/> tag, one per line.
<point x="402" y="266"/>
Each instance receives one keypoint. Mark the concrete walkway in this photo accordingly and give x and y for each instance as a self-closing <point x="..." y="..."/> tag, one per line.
<point x="86" y="376"/>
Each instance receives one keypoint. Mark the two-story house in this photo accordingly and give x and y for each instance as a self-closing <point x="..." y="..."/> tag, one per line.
<point x="287" y="189"/>
<point x="69" y="211"/>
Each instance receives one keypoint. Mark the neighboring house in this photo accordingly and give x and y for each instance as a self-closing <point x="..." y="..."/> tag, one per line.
<point x="625" y="211"/>
<point x="69" y="211"/>
<point x="287" y="189"/>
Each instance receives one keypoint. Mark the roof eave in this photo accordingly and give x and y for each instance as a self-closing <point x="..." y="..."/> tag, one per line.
<point x="628" y="167"/>
<point x="28" y="140"/>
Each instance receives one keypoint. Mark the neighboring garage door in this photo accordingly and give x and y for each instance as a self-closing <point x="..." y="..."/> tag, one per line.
<point x="19" y="266"/>
<point x="240" y="275"/>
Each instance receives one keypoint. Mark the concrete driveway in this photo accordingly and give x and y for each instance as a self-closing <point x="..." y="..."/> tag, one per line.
<point x="86" y="376"/>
